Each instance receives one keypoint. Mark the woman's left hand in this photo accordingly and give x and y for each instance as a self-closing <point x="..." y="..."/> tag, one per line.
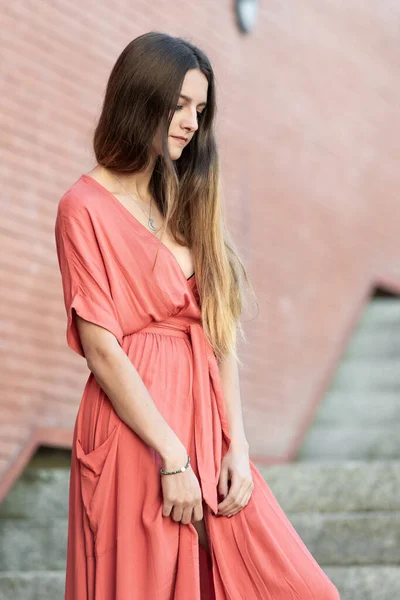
<point x="235" y="466"/>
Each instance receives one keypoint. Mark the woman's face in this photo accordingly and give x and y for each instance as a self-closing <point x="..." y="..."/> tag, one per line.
<point x="187" y="114"/>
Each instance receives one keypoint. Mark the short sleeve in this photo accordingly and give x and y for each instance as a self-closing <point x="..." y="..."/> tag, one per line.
<point x="84" y="278"/>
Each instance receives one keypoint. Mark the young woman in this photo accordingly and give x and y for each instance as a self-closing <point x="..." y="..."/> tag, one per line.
<point x="164" y="501"/>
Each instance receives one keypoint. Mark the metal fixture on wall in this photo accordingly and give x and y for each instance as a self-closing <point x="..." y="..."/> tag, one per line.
<point x="246" y="14"/>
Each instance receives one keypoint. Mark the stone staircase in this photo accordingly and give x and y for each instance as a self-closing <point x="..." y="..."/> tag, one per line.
<point x="33" y="530"/>
<point x="359" y="418"/>
<point x="348" y="515"/>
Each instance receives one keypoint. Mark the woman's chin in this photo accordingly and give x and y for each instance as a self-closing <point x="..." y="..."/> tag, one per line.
<point x="175" y="153"/>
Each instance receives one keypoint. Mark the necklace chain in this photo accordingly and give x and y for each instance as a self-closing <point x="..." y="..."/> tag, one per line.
<point x="150" y="221"/>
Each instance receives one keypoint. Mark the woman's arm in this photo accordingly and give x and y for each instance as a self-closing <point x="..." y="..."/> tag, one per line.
<point x="130" y="398"/>
<point x="117" y="376"/>
<point x="235" y="465"/>
<point x="229" y="372"/>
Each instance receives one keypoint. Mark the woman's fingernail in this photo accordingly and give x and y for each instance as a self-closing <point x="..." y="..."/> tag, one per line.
<point x="229" y="516"/>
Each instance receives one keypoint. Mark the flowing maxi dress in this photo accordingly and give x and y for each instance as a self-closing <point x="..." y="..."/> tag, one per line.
<point x="120" y="547"/>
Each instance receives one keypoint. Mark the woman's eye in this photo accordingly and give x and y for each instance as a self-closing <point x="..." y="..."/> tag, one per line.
<point x="199" y="114"/>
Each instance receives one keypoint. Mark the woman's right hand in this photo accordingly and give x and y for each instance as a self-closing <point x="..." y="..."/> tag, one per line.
<point x="182" y="498"/>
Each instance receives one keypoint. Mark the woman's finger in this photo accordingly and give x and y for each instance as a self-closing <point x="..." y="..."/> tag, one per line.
<point x="229" y="503"/>
<point x="242" y="501"/>
<point x="187" y="515"/>
<point x="245" y="500"/>
<point x="177" y="513"/>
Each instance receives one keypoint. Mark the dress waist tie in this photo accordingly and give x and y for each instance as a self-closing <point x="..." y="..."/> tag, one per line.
<point x="209" y="412"/>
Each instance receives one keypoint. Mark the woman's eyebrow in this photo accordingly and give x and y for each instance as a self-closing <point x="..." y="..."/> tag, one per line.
<point x="189" y="100"/>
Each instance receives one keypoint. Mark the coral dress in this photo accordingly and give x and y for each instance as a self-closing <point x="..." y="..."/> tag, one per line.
<point x="120" y="547"/>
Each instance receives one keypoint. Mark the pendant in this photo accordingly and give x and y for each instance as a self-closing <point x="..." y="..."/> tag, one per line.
<point x="151" y="225"/>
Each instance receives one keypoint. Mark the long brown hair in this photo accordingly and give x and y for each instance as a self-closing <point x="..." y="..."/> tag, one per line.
<point x="141" y="95"/>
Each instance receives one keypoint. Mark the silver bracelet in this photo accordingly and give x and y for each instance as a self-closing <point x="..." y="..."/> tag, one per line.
<point x="181" y="470"/>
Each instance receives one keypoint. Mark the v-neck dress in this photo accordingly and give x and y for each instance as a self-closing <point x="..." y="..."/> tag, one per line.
<point x="120" y="547"/>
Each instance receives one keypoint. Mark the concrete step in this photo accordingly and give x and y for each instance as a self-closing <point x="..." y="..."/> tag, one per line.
<point x="335" y="487"/>
<point x="358" y="408"/>
<point x="346" y="539"/>
<point x="344" y="442"/>
<point x="36" y="585"/>
<point x="39" y="491"/>
<point x="374" y="342"/>
<point x="312" y="486"/>
<point x="360" y="374"/>
<point x="381" y="313"/>
<point x="335" y="539"/>
<point x="33" y="544"/>
<point x="374" y="582"/>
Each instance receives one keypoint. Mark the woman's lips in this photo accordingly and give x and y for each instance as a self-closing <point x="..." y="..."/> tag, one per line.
<point x="178" y="139"/>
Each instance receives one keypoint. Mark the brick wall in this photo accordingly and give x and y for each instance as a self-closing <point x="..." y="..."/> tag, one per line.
<point x="308" y="133"/>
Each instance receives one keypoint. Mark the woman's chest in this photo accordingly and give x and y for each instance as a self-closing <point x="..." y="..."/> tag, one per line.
<point x="146" y="280"/>
<point x="153" y="217"/>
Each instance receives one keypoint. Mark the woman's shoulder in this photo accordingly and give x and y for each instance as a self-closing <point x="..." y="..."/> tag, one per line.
<point x="78" y="199"/>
